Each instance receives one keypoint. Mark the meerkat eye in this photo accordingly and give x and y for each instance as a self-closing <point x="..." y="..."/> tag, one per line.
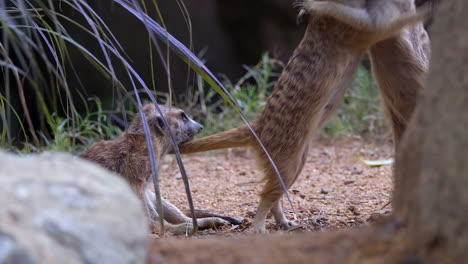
<point x="183" y="116"/>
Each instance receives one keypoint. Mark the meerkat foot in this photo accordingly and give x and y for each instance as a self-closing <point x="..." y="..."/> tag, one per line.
<point x="259" y="221"/>
<point x="180" y="229"/>
<point x="260" y="229"/>
<point x="203" y="223"/>
<point x="289" y="225"/>
<point x="211" y="222"/>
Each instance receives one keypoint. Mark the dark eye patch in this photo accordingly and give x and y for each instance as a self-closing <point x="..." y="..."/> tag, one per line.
<point x="160" y="122"/>
<point x="183" y="116"/>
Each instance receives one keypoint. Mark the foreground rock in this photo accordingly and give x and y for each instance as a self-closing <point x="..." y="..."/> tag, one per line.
<point x="56" y="208"/>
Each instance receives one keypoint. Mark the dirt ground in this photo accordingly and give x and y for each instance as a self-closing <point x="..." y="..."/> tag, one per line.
<point x="334" y="191"/>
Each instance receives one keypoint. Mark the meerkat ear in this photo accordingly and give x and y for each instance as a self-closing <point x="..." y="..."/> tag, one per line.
<point x="157" y="125"/>
<point x="160" y="123"/>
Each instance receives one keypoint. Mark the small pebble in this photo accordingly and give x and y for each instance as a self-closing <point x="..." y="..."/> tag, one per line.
<point x="250" y="214"/>
<point x="360" y="221"/>
<point x="357" y="169"/>
<point x="313" y="209"/>
<point x="326" y="190"/>
<point x="317" y="221"/>
<point x="354" y="210"/>
<point x="374" y="217"/>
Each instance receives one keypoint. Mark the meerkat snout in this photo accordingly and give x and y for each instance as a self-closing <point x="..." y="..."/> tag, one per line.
<point x="193" y="127"/>
<point x="197" y="127"/>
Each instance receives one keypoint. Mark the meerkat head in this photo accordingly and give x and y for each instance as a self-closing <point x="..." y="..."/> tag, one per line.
<point x="182" y="127"/>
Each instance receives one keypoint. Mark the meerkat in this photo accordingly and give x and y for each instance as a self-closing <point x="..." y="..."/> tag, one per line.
<point x="400" y="66"/>
<point x="127" y="155"/>
<point x="307" y="91"/>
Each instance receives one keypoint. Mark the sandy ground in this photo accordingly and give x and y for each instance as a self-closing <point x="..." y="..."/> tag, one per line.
<point x="334" y="191"/>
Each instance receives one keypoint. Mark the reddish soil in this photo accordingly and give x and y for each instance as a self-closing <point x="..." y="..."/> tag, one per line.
<point x="335" y="190"/>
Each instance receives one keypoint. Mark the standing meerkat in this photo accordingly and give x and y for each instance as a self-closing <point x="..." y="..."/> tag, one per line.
<point x="308" y="90"/>
<point x="400" y="64"/>
<point x="127" y="155"/>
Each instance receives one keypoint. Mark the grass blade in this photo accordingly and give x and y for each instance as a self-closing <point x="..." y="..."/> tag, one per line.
<point x="185" y="54"/>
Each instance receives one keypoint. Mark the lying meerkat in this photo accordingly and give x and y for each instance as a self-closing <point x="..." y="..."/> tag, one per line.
<point x="127" y="155"/>
<point x="307" y="91"/>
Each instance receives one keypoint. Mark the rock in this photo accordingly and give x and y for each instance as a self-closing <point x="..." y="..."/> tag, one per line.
<point x="313" y="209"/>
<point x="357" y="169"/>
<point x="377" y="215"/>
<point x="359" y="221"/>
<point x="354" y="210"/>
<point x="374" y="217"/>
<point x="56" y="208"/>
<point x="251" y="214"/>
<point x="348" y="182"/>
<point x="326" y="190"/>
<point x="12" y="252"/>
<point x="317" y="221"/>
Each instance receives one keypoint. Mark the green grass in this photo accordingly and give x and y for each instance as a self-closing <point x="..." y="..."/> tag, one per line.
<point x="74" y="136"/>
<point x="360" y="112"/>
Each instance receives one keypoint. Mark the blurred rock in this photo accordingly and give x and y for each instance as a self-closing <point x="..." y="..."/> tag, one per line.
<point x="56" y="208"/>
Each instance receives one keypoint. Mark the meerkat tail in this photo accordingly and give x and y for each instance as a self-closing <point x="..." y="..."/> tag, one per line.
<point x="205" y="214"/>
<point x="236" y="137"/>
<point x="405" y="20"/>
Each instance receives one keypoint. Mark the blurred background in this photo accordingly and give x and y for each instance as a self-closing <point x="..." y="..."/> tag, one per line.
<point x="225" y="34"/>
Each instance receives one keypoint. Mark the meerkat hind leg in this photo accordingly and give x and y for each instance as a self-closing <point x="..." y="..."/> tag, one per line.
<point x="154" y="218"/>
<point x="266" y="203"/>
<point x="277" y="209"/>
<point x="176" y="219"/>
<point x="280" y="218"/>
<point x="175" y="215"/>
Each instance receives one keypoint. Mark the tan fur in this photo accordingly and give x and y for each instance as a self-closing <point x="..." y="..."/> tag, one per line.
<point x="127" y="155"/>
<point x="400" y="65"/>
<point x="308" y="90"/>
